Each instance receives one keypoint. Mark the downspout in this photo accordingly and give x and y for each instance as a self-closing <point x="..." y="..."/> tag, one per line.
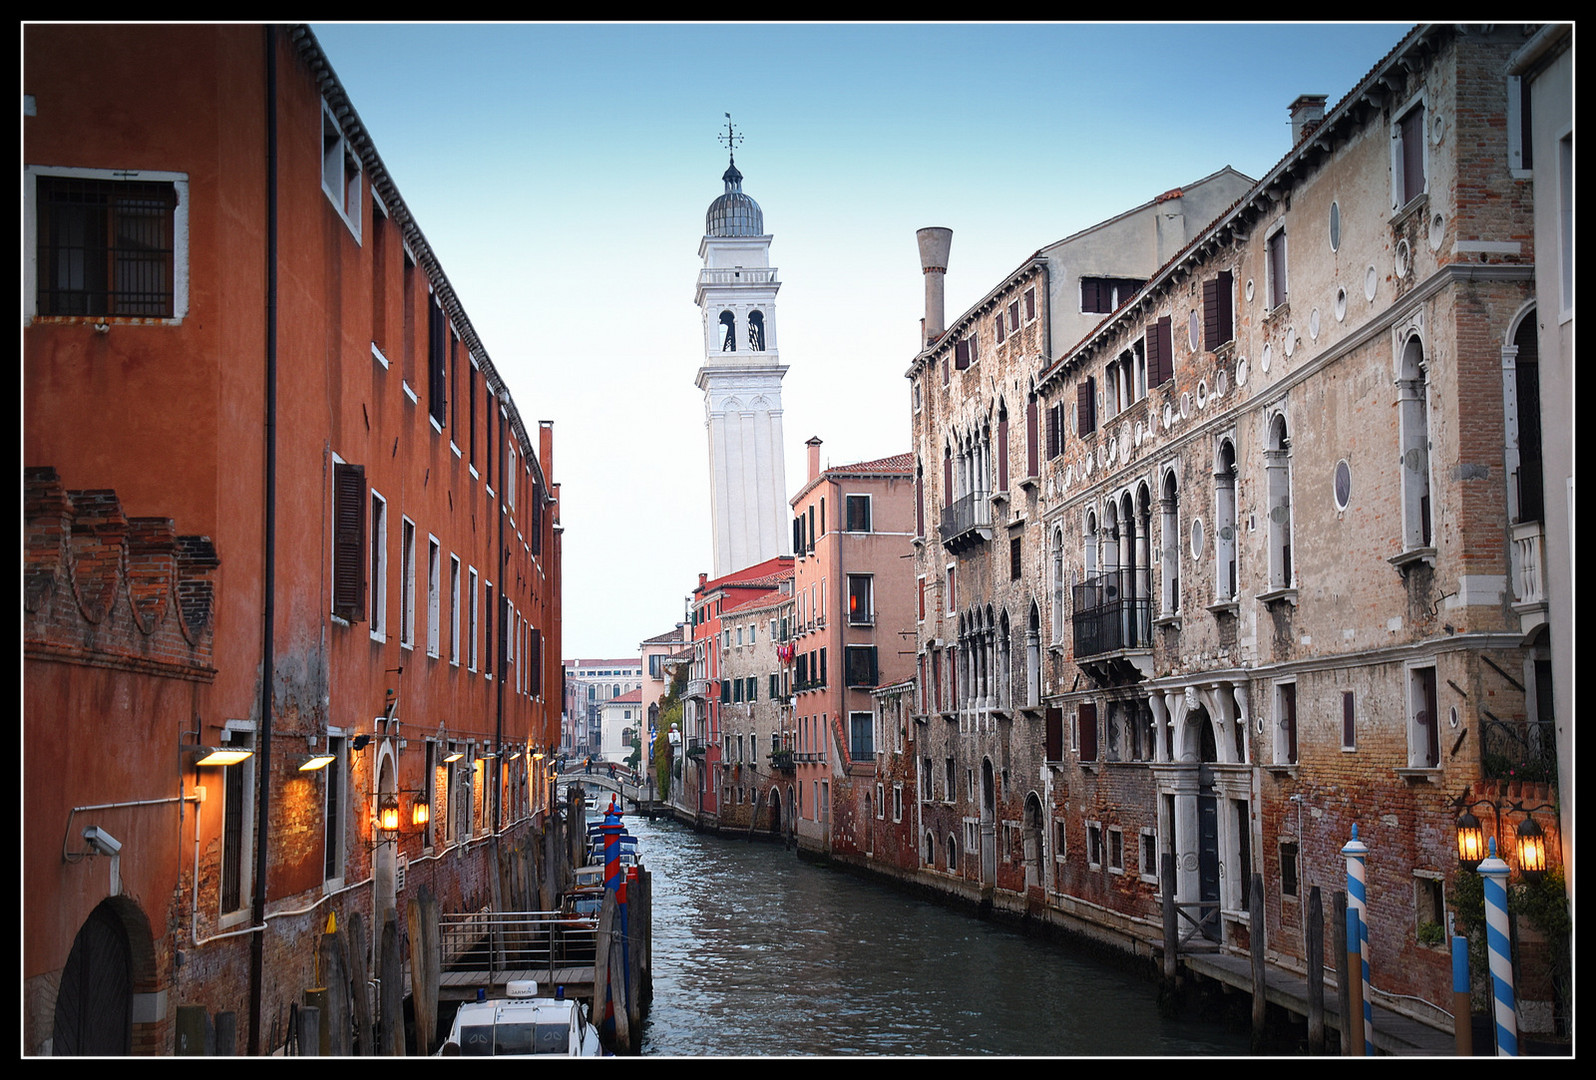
<point x="268" y="570"/>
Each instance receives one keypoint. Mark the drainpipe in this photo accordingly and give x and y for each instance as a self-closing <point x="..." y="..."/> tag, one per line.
<point x="268" y="570"/>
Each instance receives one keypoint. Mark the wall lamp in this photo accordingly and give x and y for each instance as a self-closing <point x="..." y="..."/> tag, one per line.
<point x="313" y="762"/>
<point x="1529" y="842"/>
<point x="388" y="816"/>
<point x="208" y="756"/>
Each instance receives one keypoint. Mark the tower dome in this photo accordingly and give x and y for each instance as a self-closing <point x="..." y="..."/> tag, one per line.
<point x="734" y="213"/>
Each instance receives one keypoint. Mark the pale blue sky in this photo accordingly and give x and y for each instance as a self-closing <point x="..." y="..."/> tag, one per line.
<point x="561" y="173"/>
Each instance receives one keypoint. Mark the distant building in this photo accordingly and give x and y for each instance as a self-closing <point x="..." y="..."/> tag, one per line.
<point x="755" y="711"/>
<point x="853" y="596"/>
<point x="621" y="719"/>
<point x="588" y="685"/>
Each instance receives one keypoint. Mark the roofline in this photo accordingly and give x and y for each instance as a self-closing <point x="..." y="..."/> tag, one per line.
<point x="1262" y="193"/>
<point x="855" y="472"/>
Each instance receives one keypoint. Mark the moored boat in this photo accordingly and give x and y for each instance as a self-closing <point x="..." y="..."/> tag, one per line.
<point x="522" y="1025"/>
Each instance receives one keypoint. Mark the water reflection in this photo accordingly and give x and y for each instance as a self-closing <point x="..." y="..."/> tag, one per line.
<point x="759" y="953"/>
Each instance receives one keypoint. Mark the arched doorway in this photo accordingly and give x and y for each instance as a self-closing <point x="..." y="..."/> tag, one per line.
<point x="988" y="823"/>
<point x="94" y="1003"/>
<point x="1033" y="841"/>
<point x="1207" y="821"/>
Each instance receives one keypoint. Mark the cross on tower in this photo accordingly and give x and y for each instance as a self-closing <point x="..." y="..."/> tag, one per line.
<point x="731" y="139"/>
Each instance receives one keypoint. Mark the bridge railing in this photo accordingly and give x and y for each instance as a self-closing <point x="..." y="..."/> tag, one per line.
<point x="496" y="943"/>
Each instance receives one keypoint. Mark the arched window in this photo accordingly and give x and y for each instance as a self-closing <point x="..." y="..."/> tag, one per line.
<point x="1033" y="657"/>
<point x="1529" y="498"/>
<point x="1225" y="522"/>
<point x="1056" y="565"/>
<point x="1413" y="415"/>
<point x="1002" y="446"/>
<point x="756" y="331"/>
<point x="1277" y="466"/>
<point x="728" y="332"/>
<point x="1169" y="539"/>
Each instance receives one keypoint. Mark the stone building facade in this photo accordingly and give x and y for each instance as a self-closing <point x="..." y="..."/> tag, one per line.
<point x="1266" y="577"/>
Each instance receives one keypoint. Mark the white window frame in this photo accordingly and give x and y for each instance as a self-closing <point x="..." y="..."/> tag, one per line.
<point x="1278" y="743"/>
<point x="454" y="609"/>
<point x="335" y="818"/>
<point x="870" y="511"/>
<point x="377" y="512"/>
<point x="1270" y="303"/>
<point x="30" y="237"/>
<point x="471" y="639"/>
<point x="346" y="196"/>
<point x="1114" y="849"/>
<point x="1415" y="727"/>
<point x="1398" y="165"/>
<point x="246" y="849"/>
<point x="434" y="583"/>
<point x="407" y="583"/>
<point x="1148" y="843"/>
<point x="1094" y="830"/>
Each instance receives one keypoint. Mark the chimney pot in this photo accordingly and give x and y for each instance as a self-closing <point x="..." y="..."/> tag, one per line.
<point x="934" y="244"/>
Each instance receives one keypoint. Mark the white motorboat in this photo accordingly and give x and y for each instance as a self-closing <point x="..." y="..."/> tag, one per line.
<point x="522" y="1025"/>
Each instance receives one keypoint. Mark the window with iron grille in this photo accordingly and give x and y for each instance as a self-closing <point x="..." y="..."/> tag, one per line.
<point x="108" y="246"/>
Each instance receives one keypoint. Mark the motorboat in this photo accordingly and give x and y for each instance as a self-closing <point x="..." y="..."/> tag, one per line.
<point x="522" y="1025"/>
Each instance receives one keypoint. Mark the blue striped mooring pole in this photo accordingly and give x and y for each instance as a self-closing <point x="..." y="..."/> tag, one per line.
<point x="1499" y="944"/>
<point x="1356" y="853"/>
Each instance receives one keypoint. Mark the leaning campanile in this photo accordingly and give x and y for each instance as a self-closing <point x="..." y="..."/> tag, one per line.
<point x="741" y="378"/>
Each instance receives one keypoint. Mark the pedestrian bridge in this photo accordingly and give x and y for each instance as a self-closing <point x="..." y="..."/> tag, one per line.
<point x="623" y="783"/>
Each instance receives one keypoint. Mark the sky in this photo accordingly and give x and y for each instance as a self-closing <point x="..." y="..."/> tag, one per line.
<point x="561" y="173"/>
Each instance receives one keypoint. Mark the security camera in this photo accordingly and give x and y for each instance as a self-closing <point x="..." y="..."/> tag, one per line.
<point x="101" y="841"/>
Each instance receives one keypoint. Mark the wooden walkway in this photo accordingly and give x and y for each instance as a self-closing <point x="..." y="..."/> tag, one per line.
<point x="462" y="985"/>
<point x="1393" y="1032"/>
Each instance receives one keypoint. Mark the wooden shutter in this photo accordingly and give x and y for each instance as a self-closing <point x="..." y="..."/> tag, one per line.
<point x="1088" y="726"/>
<point x="1090" y="301"/>
<point x="1032" y="464"/>
<point x="1030" y="304"/>
<point x="1052" y="434"/>
<point x="1086" y="405"/>
<point x="961" y="354"/>
<point x="349" y="541"/>
<point x="1055" y="733"/>
<point x="1003" y="453"/>
<point x="1217" y="323"/>
<point x="1162" y="342"/>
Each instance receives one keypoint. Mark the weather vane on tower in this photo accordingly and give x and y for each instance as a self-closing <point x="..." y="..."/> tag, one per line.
<point x="731" y="139"/>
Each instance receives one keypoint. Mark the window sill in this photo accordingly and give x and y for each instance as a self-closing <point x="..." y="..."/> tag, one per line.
<point x="1167" y="622"/>
<point x="1412" y="557"/>
<point x="1225" y="607"/>
<point x="1032" y="482"/>
<point x="452" y="447"/>
<point x="1418" y="774"/>
<point x="1274" y="596"/>
<point x="1283" y="769"/>
<point x="1091" y="766"/>
<point x="1000" y="496"/>
<point x="376" y="354"/>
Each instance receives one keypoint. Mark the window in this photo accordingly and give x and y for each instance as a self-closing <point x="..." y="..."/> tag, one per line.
<point x="434" y="572"/>
<point x="966" y="351"/>
<point x="1015" y="561"/>
<point x="1429" y="907"/>
<point x="1014" y="316"/>
<point x="1087" y="722"/>
<point x="1349" y="732"/>
<point x="1285" y="741"/>
<point x="1094" y="845"/>
<point x="1275" y="267"/>
<point x="1030" y="304"/>
<point x="1101" y="295"/>
<point x="860" y="610"/>
<point x="1085" y="407"/>
<point x="340" y="171"/>
<point x="1116" y="850"/>
<point x="407" y="583"/>
<point x="108" y="244"/>
<point x="471" y="631"/>
<point x="349" y="542"/>
<point x="1125" y="379"/>
<point x="1149" y="855"/>
<point x="1413" y="422"/>
<point x="858" y="510"/>
<point x="861" y="736"/>
<point x="1424" y="736"/>
<point x="1219" y="324"/>
<point x="1407" y="157"/>
<point x="1225" y="522"/>
<point x="454" y="610"/>
<point x="1289" y="882"/>
<point x="1054" y="733"/>
<point x="756" y="331"/>
<point x="379" y="567"/>
<point x="336" y="809"/>
<point x="998" y="330"/>
<point x="1277" y="470"/>
<point x="1033" y="456"/>
<point x="238" y="832"/>
<point x="1169" y="518"/>
<point x="897" y="802"/>
<point x="860" y="661"/>
<point x="487" y="628"/>
<point x="1160" y="365"/>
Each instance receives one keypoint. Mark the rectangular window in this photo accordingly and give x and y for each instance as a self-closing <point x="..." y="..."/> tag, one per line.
<point x="471" y="622"/>
<point x="1288" y="869"/>
<point x="437" y="364"/>
<point x="1275" y="248"/>
<point x="340" y="171"/>
<point x="1086" y="406"/>
<point x="1285" y="723"/>
<point x="379" y="567"/>
<point x="454" y="610"/>
<point x="1160" y="365"/>
<point x="1219" y="324"/>
<point x="434" y="582"/>
<point x="858" y="509"/>
<point x="998" y="330"/>
<point x="1015" y="561"/>
<point x="1349" y="731"/>
<point x="238" y="833"/>
<point x="1116" y="850"/>
<point x="1094" y="845"/>
<point x="1149" y="855"/>
<point x="349" y="542"/>
<point x="487" y="628"/>
<point x="336" y="809"/>
<point x="1424" y="738"/>
<point x="1030" y="304"/>
<point x="1014" y="316"/>
<point x="407" y="583"/>
<point x="1100" y="295"/>
<point x="1407" y="157"/>
<point x="861" y="736"/>
<point x="1054" y="733"/>
<point x="861" y="665"/>
<point x="860" y="610"/>
<point x="1088" y="731"/>
<point x="109" y="245"/>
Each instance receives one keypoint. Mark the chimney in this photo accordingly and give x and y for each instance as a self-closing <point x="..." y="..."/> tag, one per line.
<point x="1307" y="113"/>
<point x="934" y="244"/>
<point x="814" y="457"/>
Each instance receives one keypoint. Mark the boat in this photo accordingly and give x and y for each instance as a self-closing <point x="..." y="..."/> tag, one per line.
<point x="522" y="1025"/>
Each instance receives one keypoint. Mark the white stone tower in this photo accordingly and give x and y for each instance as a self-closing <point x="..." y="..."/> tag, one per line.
<point x="741" y="379"/>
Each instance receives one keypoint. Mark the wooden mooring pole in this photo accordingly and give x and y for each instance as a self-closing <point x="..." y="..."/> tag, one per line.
<point x="1260" y="982"/>
<point x="1314" y="940"/>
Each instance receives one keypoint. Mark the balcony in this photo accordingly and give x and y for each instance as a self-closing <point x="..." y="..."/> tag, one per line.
<point x="967" y="523"/>
<point x="1529" y="574"/>
<point x="698" y="688"/>
<point x="1114" y="616"/>
<point x="782" y="760"/>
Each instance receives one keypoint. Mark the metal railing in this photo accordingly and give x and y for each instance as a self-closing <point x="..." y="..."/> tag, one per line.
<point x="972" y="511"/>
<point x="508" y="943"/>
<point x="1113" y="611"/>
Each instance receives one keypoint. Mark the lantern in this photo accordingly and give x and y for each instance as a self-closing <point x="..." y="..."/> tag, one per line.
<point x="388" y="816"/>
<point x="1470" y="841"/>
<point x="1531" y="850"/>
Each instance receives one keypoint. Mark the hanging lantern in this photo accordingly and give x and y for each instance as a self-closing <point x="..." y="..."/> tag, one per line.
<point x="1531" y="850"/>
<point x="1470" y="841"/>
<point x="388" y="816"/>
<point x="420" y="813"/>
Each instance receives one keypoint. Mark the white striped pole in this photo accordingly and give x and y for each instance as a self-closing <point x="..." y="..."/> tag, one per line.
<point x="1356" y="854"/>
<point x="1494" y="871"/>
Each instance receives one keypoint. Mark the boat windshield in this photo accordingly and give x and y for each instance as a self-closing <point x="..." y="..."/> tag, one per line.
<point x="481" y="1040"/>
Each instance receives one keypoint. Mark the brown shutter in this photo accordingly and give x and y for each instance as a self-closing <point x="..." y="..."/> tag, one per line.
<point x="1088" y="726"/>
<point x="961" y="354"/>
<point x="1030" y="304"/>
<point x="1055" y="733"/>
<point x="1003" y="453"/>
<point x="1089" y="299"/>
<point x="1163" y="336"/>
<point x="1155" y="355"/>
<point x="1032" y="464"/>
<point x="1217" y="327"/>
<point x="1086" y="405"/>
<point x="349" y="541"/>
<point x="1052" y="434"/>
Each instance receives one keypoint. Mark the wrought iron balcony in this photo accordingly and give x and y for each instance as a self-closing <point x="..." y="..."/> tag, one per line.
<point x="782" y="759"/>
<point x="1113" y="613"/>
<point x="967" y="522"/>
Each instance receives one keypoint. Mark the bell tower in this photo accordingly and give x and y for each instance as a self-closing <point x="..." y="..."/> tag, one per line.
<point x="741" y="378"/>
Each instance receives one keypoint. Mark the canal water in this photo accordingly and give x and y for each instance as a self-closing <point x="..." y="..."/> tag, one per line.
<point x="757" y="952"/>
